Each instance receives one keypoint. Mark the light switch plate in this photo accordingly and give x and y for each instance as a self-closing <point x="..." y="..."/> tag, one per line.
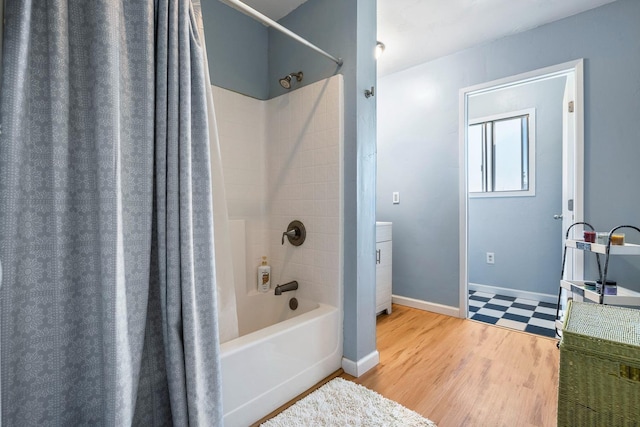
<point x="396" y="197"/>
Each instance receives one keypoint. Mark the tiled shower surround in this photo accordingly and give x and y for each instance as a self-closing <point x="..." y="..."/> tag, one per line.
<point x="282" y="161"/>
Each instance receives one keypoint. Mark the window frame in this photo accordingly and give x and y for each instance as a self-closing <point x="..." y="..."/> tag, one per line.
<point x="531" y="154"/>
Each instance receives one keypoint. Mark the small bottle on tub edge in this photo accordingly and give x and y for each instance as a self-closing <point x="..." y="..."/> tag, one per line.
<point x="264" y="276"/>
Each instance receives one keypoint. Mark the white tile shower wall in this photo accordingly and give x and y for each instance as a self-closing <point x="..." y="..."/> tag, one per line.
<point x="303" y="182"/>
<point x="282" y="161"/>
<point x="242" y="132"/>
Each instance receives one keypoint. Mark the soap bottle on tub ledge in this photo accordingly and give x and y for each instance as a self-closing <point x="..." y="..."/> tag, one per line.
<point x="264" y="276"/>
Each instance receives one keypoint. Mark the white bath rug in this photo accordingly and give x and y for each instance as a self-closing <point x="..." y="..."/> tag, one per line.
<point x="344" y="403"/>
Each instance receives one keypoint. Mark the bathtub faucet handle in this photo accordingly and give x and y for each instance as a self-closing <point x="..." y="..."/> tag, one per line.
<point x="290" y="233"/>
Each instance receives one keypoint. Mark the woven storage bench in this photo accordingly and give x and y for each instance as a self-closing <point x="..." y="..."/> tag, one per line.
<point x="599" y="366"/>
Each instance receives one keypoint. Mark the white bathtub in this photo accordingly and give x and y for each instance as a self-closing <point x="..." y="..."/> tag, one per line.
<point x="259" y="311"/>
<point x="266" y="368"/>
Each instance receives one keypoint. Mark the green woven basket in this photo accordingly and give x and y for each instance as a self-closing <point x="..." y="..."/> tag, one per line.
<point x="599" y="366"/>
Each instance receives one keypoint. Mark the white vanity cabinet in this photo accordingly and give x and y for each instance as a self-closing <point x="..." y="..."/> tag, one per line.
<point x="383" y="267"/>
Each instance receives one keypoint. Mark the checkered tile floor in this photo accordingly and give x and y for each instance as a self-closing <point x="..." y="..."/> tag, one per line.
<point x="515" y="313"/>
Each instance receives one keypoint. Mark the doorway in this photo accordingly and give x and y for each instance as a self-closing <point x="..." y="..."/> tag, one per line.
<point x="521" y="188"/>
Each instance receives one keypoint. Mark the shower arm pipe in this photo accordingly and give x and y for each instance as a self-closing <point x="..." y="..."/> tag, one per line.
<point x="271" y="23"/>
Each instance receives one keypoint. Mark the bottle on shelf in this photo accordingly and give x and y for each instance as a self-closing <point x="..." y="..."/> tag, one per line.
<point x="264" y="276"/>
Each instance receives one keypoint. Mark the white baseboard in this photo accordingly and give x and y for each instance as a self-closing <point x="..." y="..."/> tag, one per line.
<point x="361" y="366"/>
<point x="426" y="306"/>
<point x="536" y="296"/>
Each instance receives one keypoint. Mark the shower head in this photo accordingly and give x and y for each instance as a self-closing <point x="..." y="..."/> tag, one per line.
<point x="285" y="82"/>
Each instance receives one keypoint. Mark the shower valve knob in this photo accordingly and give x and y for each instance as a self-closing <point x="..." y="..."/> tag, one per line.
<point x="289" y="234"/>
<point x="296" y="233"/>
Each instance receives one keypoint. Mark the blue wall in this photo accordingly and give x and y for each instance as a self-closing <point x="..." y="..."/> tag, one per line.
<point x="323" y="23"/>
<point x="237" y="50"/>
<point x="501" y="224"/>
<point x="418" y="150"/>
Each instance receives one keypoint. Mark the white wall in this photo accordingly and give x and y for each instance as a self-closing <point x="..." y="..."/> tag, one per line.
<point x="242" y="130"/>
<point x="281" y="161"/>
<point x="304" y="183"/>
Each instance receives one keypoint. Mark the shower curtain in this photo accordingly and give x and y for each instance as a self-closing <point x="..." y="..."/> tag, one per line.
<point x="106" y="236"/>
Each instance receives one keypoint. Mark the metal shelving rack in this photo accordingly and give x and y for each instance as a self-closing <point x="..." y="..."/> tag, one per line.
<point x="624" y="296"/>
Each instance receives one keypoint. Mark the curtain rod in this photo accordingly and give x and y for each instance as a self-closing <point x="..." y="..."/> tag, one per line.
<point x="270" y="22"/>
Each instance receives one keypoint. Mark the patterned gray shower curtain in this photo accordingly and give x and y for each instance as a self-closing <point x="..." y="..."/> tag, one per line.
<point x="106" y="236"/>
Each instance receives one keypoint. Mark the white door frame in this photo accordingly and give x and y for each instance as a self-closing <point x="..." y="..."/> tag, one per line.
<point x="576" y="67"/>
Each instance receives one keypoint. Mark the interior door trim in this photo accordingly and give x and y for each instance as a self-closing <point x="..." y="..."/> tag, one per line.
<point x="577" y="67"/>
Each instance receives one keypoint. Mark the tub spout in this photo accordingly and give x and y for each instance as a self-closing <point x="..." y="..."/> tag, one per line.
<point x="291" y="286"/>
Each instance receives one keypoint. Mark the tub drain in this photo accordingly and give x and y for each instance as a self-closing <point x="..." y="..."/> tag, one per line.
<point x="293" y="303"/>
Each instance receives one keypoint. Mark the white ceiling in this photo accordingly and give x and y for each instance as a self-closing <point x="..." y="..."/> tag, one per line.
<point x="274" y="9"/>
<point x="417" y="31"/>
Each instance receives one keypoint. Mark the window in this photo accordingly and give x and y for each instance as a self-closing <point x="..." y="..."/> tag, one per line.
<point x="501" y="153"/>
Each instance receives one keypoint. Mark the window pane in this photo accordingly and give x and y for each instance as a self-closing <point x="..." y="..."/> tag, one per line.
<point x="507" y="153"/>
<point x="475" y="158"/>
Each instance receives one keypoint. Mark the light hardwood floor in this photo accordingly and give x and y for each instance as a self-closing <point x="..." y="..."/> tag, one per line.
<point x="459" y="372"/>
